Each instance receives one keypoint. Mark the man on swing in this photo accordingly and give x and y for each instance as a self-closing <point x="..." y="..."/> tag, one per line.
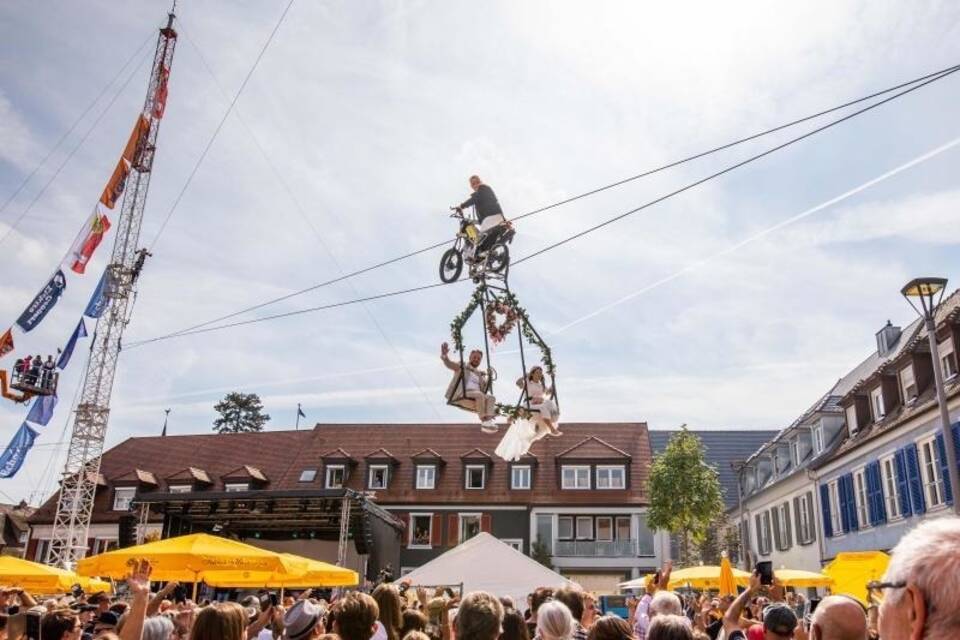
<point x="472" y="379"/>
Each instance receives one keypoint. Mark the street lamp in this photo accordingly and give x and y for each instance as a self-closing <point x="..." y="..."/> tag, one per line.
<point x="929" y="292"/>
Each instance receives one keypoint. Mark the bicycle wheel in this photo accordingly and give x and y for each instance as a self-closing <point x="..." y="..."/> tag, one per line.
<point x="451" y="264"/>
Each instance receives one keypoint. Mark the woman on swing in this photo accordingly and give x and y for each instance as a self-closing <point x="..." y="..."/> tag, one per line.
<point x="541" y="422"/>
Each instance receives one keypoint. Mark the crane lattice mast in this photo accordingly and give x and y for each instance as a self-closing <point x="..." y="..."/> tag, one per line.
<point x="79" y="482"/>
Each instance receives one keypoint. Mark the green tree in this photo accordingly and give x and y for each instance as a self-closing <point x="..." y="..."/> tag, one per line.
<point x="685" y="495"/>
<point x="240" y="412"/>
<point x="540" y="553"/>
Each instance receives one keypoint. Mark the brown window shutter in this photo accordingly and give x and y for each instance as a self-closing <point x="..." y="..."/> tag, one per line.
<point x="453" y="530"/>
<point x="405" y="519"/>
<point x="32" y="549"/>
<point x="90" y="542"/>
<point x="485" y="522"/>
<point x="436" y="532"/>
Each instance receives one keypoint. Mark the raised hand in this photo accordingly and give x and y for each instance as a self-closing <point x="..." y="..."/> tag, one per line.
<point x="138" y="582"/>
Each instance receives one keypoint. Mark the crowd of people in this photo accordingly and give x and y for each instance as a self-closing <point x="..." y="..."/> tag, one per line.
<point x="916" y="601"/>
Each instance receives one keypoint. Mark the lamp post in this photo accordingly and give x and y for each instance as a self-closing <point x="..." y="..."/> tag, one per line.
<point x="929" y="292"/>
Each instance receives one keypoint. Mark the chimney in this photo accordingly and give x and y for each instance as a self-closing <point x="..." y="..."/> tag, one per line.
<point x="887" y="339"/>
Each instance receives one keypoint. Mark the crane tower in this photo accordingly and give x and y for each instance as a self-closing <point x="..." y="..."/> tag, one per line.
<point x="79" y="482"/>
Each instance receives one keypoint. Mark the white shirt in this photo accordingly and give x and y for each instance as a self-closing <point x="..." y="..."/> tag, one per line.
<point x="473" y="380"/>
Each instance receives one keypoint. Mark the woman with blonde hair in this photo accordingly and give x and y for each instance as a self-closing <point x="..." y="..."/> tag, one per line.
<point x="555" y="622"/>
<point x="391" y="610"/>
<point x="220" y="621"/>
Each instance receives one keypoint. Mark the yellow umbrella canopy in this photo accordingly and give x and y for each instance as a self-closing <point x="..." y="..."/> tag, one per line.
<point x="798" y="578"/>
<point x="188" y="559"/>
<point x="314" y="574"/>
<point x="728" y="584"/>
<point x="34" y="577"/>
<point x="94" y="585"/>
<point x="852" y="570"/>
<point x="704" y="577"/>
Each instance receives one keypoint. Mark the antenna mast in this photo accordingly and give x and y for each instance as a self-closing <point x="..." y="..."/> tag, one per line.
<point x="80" y="475"/>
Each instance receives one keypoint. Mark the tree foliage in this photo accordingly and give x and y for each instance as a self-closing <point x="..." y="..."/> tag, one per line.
<point x="685" y="494"/>
<point x="540" y="553"/>
<point x="240" y="412"/>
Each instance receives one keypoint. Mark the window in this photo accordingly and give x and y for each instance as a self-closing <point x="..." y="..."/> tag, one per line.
<point x="836" y="522"/>
<point x="545" y="530"/>
<point x="43" y="547"/>
<point x="575" y="477"/>
<point x="469" y="525"/>
<point x="605" y="529"/>
<point x="234" y="487"/>
<point x="520" y="477"/>
<point x="764" y="533"/>
<point x="377" y="476"/>
<point x="584" y="527"/>
<point x="516" y="543"/>
<point x="612" y="477"/>
<point x="122" y="498"/>
<point x="783" y="525"/>
<point x="644" y="537"/>
<point x="623" y="528"/>
<point x="180" y="488"/>
<point x="565" y="528"/>
<point x="851" y="416"/>
<point x="948" y="360"/>
<point x="102" y="545"/>
<point x="476" y="475"/>
<point x="908" y="384"/>
<point x="308" y="475"/>
<point x="860" y="495"/>
<point x="795" y="452"/>
<point x="421" y="529"/>
<point x="930" y="471"/>
<point x="876" y="404"/>
<point x="336" y="474"/>
<point x="818" y="439"/>
<point x="804" y="509"/>
<point x="426" y="476"/>
<point x="888" y="472"/>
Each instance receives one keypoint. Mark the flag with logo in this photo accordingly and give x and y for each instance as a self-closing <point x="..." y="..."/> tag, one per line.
<point x="98" y="301"/>
<point x="88" y="240"/>
<point x="42" y="410"/>
<point x="38" y="309"/>
<point x="79" y="332"/>
<point x="16" y="452"/>
<point x="160" y="104"/>
<point x="131" y="154"/>
<point x="6" y="342"/>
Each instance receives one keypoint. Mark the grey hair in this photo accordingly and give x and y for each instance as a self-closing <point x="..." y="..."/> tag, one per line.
<point x="929" y="557"/>
<point x="670" y="627"/>
<point x="554" y="621"/>
<point x="665" y="603"/>
<point x="157" y="628"/>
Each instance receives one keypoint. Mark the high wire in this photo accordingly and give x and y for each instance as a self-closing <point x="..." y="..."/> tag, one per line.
<point x="928" y="77"/>
<point x="570" y="238"/>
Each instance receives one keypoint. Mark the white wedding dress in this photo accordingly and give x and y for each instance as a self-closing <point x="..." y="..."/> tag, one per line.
<point x="519" y="438"/>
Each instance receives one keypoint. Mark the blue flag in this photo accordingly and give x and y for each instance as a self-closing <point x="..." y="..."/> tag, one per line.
<point x="42" y="410"/>
<point x="16" y="452"/>
<point x="98" y="301"/>
<point x="79" y="332"/>
<point x="37" y="310"/>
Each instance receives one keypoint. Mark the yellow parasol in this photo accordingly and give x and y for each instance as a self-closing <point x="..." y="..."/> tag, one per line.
<point x="315" y="574"/>
<point x="700" y="577"/>
<point x="852" y="570"/>
<point x="728" y="585"/>
<point x="188" y="559"/>
<point x="798" y="578"/>
<point x="43" y="579"/>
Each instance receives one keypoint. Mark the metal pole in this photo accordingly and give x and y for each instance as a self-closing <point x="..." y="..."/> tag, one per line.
<point x="948" y="441"/>
<point x="298" y="417"/>
<point x="740" y="528"/>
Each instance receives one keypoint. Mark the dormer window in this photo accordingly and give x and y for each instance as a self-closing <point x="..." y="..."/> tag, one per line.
<point x="575" y="477"/>
<point x="876" y="404"/>
<point x="795" y="452"/>
<point x="236" y="487"/>
<point x="908" y="384"/>
<point x="336" y="474"/>
<point x="122" y="498"/>
<point x="180" y="488"/>
<point x="426" y="476"/>
<point x="476" y="475"/>
<point x="611" y="477"/>
<point x="948" y="360"/>
<point x="818" y="439"/>
<point x="851" y="415"/>
<point x="378" y="476"/>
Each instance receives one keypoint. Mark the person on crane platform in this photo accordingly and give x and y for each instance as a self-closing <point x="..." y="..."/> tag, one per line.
<point x="33" y="378"/>
<point x="48" y="367"/>
<point x="474" y="382"/>
<point x="487" y="207"/>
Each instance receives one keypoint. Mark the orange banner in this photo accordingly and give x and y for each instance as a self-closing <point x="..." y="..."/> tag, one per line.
<point x="114" y="189"/>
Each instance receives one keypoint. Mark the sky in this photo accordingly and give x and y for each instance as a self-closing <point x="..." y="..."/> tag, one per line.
<point x="733" y="305"/>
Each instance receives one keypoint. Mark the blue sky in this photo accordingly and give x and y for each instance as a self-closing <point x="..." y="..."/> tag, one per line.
<point x="376" y="113"/>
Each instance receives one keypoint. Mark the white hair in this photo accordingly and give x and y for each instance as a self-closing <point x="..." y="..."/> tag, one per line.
<point x="665" y="603"/>
<point x="929" y="557"/>
<point x="554" y="621"/>
<point x="157" y="628"/>
<point x="670" y="627"/>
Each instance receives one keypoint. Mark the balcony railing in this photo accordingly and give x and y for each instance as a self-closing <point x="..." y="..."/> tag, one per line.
<point x="595" y="548"/>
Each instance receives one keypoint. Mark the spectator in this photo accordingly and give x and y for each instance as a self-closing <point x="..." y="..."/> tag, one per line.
<point x="303" y="621"/>
<point x="838" y="618"/>
<point x="611" y="628"/>
<point x="555" y="622"/>
<point x="413" y="620"/>
<point x="514" y="627"/>
<point x="221" y="621"/>
<point x="921" y="588"/>
<point x="61" y="624"/>
<point x="665" y="603"/>
<point x="158" y="628"/>
<point x="479" y="617"/>
<point x="355" y="617"/>
<point x="670" y="627"/>
<point x="537" y="598"/>
<point x="573" y="598"/>
<point x="391" y="617"/>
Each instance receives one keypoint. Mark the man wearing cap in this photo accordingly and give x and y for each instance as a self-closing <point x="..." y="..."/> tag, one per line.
<point x="779" y="620"/>
<point x="303" y="621"/>
<point x="106" y="621"/>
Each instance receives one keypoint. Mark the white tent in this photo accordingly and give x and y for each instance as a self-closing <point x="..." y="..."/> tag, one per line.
<point x="484" y="563"/>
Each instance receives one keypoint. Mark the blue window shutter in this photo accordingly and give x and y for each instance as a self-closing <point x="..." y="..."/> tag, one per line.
<point x="944" y="469"/>
<point x="903" y="487"/>
<point x="844" y="507"/>
<point x="878" y="508"/>
<point x="852" y="503"/>
<point x="825" y="508"/>
<point x="914" y="479"/>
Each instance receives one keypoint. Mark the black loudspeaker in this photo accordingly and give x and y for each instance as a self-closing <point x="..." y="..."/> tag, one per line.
<point x="127" y="532"/>
<point x="363" y="537"/>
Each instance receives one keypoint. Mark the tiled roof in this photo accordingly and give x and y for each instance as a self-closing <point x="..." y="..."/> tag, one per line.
<point x="191" y="474"/>
<point x="593" y="447"/>
<point x="282" y="455"/>
<point x="721" y="448"/>
<point x="139" y="476"/>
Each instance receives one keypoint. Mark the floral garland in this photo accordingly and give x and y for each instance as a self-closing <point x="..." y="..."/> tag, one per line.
<point x="499" y="332"/>
<point x="456" y="327"/>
